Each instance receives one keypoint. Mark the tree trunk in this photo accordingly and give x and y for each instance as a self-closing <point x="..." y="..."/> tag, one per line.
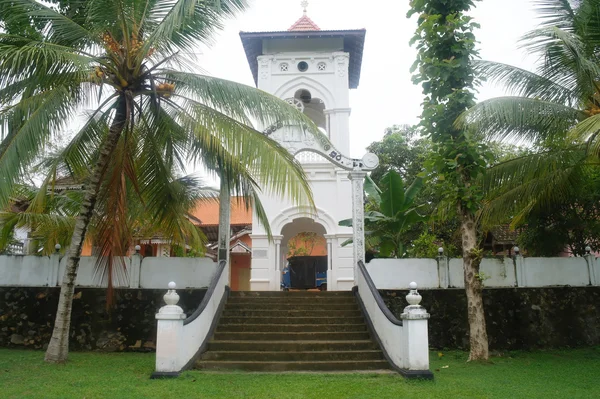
<point x="478" y="338"/>
<point x="58" y="348"/>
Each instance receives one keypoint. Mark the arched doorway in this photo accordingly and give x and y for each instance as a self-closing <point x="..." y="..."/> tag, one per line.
<point x="304" y="255"/>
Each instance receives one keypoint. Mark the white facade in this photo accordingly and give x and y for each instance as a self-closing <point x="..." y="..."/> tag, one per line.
<point x="313" y="74"/>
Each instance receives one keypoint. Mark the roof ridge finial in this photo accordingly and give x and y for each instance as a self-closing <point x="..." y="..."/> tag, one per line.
<point x="304" y="5"/>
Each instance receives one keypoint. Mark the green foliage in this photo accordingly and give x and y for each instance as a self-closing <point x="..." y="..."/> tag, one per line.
<point x="554" y="110"/>
<point x="402" y="150"/>
<point x="129" y="62"/>
<point x="390" y="216"/>
<point x="446" y="45"/>
<point x="302" y="244"/>
<point x="427" y="244"/>
<point x="569" y="225"/>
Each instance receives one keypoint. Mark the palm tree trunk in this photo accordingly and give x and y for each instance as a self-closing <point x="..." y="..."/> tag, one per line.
<point x="58" y="348"/>
<point x="478" y="338"/>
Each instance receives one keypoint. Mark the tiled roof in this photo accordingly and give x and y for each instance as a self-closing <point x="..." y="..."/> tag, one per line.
<point x="304" y="24"/>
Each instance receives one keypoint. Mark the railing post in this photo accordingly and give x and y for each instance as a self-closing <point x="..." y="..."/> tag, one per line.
<point x="135" y="268"/>
<point x="520" y="275"/>
<point x="590" y="259"/>
<point x="53" y="271"/>
<point x="169" y="336"/>
<point x="414" y="333"/>
<point x="443" y="269"/>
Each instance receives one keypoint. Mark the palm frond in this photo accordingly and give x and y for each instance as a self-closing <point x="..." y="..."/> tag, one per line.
<point x="523" y="83"/>
<point x="520" y="119"/>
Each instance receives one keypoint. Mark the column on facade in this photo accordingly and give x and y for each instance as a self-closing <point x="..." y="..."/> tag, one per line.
<point x="330" y="277"/>
<point x="224" y="220"/>
<point x="357" y="178"/>
<point x="278" y="263"/>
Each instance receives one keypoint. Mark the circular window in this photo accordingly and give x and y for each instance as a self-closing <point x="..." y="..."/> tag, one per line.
<point x="302" y="66"/>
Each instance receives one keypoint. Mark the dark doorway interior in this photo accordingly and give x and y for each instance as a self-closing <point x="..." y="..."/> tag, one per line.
<point x="305" y="269"/>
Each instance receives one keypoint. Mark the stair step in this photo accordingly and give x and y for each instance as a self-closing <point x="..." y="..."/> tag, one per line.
<point x="276" y="356"/>
<point x="271" y="301"/>
<point x="290" y="336"/>
<point x="291" y="306"/>
<point x="291" y="294"/>
<point x="292" y="320"/>
<point x="274" y="328"/>
<point x="288" y="346"/>
<point x="315" y="313"/>
<point x="295" y="366"/>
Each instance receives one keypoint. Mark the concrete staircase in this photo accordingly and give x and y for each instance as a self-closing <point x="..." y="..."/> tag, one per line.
<point x="292" y="331"/>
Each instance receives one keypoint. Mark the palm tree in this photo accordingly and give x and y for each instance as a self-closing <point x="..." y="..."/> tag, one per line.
<point x="128" y="59"/>
<point x="556" y="110"/>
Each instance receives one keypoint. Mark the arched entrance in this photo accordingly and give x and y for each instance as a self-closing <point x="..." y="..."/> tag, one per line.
<point x="304" y="255"/>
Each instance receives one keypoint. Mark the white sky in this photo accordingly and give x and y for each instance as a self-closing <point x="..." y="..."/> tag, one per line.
<point x="386" y="94"/>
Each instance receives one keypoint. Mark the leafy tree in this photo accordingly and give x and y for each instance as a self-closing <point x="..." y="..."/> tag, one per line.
<point x="569" y="225"/>
<point x="127" y="59"/>
<point x="402" y="150"/>
<point x="396" y="213"/>
<point x="446" y="46"/>
<point x="302" y="244"/>
<point x="556" y="110"/>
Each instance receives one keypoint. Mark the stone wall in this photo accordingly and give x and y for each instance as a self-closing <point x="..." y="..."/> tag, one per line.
<point x="27" y="317"/>
<point x="516" y="318"/>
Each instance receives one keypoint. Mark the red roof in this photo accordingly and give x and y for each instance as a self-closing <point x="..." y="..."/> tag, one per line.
<point x="304" y="24"/>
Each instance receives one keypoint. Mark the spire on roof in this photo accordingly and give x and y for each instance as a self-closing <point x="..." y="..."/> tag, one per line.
<point x="304" y="23"/>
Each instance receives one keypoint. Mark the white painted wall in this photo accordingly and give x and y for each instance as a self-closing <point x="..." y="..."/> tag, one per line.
<point x="151" y="272"/>
<point x="186" y="272"/>
<point x="25" y="271"/>
<point x="496" y="272"/>
<point x="156" y="273"/>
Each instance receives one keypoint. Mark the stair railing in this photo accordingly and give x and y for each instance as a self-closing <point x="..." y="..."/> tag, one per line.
<point x="180" y="340"/>
<point x="404" y="342"/>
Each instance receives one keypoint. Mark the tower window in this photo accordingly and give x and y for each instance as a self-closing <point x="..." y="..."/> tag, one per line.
<point x="321" y="66"/>
<point x="283" y="67"/>
<point x="302" y="66"/>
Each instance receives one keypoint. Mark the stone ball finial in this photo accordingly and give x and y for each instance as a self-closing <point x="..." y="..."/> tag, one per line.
<point x="588" y="249"/>
<point x="440" y="250"/>
<point x="137" y="248"/>
<point x="516" y="249"/>
<point x="413" y="298"/>
<point x="171" y="297"/>
<point x="57" y="247"/>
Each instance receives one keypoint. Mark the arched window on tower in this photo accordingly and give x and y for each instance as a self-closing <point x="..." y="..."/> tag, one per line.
<point x="314" y="108"/>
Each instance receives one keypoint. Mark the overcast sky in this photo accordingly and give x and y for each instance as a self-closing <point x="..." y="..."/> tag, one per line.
<point x="386" y="94"/>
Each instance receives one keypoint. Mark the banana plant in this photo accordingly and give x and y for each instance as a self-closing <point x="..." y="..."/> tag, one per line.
<point x="389" y="213"/>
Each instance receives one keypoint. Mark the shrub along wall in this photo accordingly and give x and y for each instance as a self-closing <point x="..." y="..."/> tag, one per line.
<point x="517" y="318"/>
<point x="27" y="317"/>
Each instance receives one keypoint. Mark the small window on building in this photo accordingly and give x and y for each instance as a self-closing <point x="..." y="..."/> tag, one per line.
<point x="283" y="67"/>
<point x="302" y="66"/>
<point x="321" y="66"/>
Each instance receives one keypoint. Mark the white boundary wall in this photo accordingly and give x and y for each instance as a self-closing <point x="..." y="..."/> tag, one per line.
<point x="150" y="273"/>
<point x="396" y="274"/>
<point x="392" y="274"/>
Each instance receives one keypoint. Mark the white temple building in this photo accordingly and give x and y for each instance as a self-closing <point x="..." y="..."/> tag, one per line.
<point x="314" y="70"/>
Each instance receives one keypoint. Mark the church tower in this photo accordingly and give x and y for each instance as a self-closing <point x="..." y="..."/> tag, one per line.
<point x="314" y="70"/>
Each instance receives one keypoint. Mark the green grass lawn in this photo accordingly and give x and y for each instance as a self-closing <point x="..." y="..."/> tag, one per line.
<point x="548" y="374"/>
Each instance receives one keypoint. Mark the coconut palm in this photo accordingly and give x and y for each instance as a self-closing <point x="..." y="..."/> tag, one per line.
<point x="556" y="110"/>
<point x="128" y="60"/>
